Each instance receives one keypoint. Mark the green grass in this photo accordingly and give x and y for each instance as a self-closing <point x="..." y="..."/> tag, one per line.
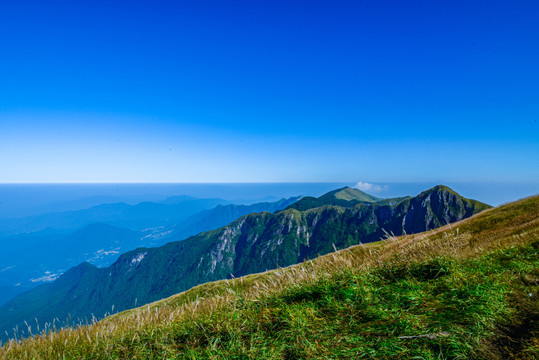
<point x="462" y="304"/>
<point x="471" y="293"/>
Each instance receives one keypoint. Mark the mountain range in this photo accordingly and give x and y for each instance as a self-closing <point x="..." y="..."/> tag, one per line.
<point x="31" y="259"/>
<point x="253" y="243"/>
<point x="134" y="217"/>
<point x="222" y="215"/>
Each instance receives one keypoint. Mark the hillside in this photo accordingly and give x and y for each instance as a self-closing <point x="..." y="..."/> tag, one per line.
<point x="344" y="197"/>
<point x="466" y="290"/>
<point x="251" y="244"/>
<point x="222" y="215"/>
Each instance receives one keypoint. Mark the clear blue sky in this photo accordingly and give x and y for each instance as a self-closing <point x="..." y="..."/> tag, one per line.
<point x="269" y="91"/>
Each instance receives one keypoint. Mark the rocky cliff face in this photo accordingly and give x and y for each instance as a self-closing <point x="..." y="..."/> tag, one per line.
<point x="253" y="243"/>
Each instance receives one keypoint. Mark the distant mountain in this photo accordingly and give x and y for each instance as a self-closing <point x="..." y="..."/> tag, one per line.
<point x="348" y="194"/>
<point x="253" y="243"/>
<point x="28" y="260"/>
<point x="33" y="259"/>
<point x="100" y="244"/>
<point x="178" y="199"/>
<point x="345" y="197"/>
<point x="135" y="217"/>
<point x="85" y="203"/>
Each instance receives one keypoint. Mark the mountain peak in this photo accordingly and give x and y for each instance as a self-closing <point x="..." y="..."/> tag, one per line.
<point x="348" y="193"/>
<point x="441" y="188"/>
<point x="437" y="189"/>
<point x="446" y="192"/>
<point x="345" y="197"/>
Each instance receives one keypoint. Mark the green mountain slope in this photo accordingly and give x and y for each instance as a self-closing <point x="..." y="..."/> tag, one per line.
<point x="349" y="194"/>
<point x="222" y="215"/>
<point x="345" y="197"/>
<point x="253" y="243"/>
<point x="465" y="291"/>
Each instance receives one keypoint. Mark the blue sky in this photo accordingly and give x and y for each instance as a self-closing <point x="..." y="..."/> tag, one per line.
<point x="269" y="91"/>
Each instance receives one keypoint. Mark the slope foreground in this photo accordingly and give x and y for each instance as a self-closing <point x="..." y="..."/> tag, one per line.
<point x="466" y="290"/>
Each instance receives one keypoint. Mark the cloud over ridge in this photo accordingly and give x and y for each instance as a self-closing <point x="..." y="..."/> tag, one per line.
<point x="368" y="187"/>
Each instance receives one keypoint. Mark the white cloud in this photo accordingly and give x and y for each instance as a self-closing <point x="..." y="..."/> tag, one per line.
<point x="47" y="278"/>
<point x="6" y="269"/>
<point x="368" y="187"/>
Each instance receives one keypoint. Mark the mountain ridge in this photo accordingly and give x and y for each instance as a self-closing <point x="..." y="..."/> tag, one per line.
<point x="253" y="243"/>
<point x="223" y="214"/>
<point x="345" y="197"/>
<point x="134" y="217"/>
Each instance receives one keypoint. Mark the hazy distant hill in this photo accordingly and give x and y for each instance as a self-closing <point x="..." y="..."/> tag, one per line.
<point x="33" y="259"/>
<point x="135" y="217"/>
<point x="253" y="243"/>
<point x="28" y="260"/>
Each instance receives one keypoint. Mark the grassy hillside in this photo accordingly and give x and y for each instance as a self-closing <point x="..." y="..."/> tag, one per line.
<point x="345" y="197"/>
<point x="349" y="194"/>
<point x="467" y="290"/>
